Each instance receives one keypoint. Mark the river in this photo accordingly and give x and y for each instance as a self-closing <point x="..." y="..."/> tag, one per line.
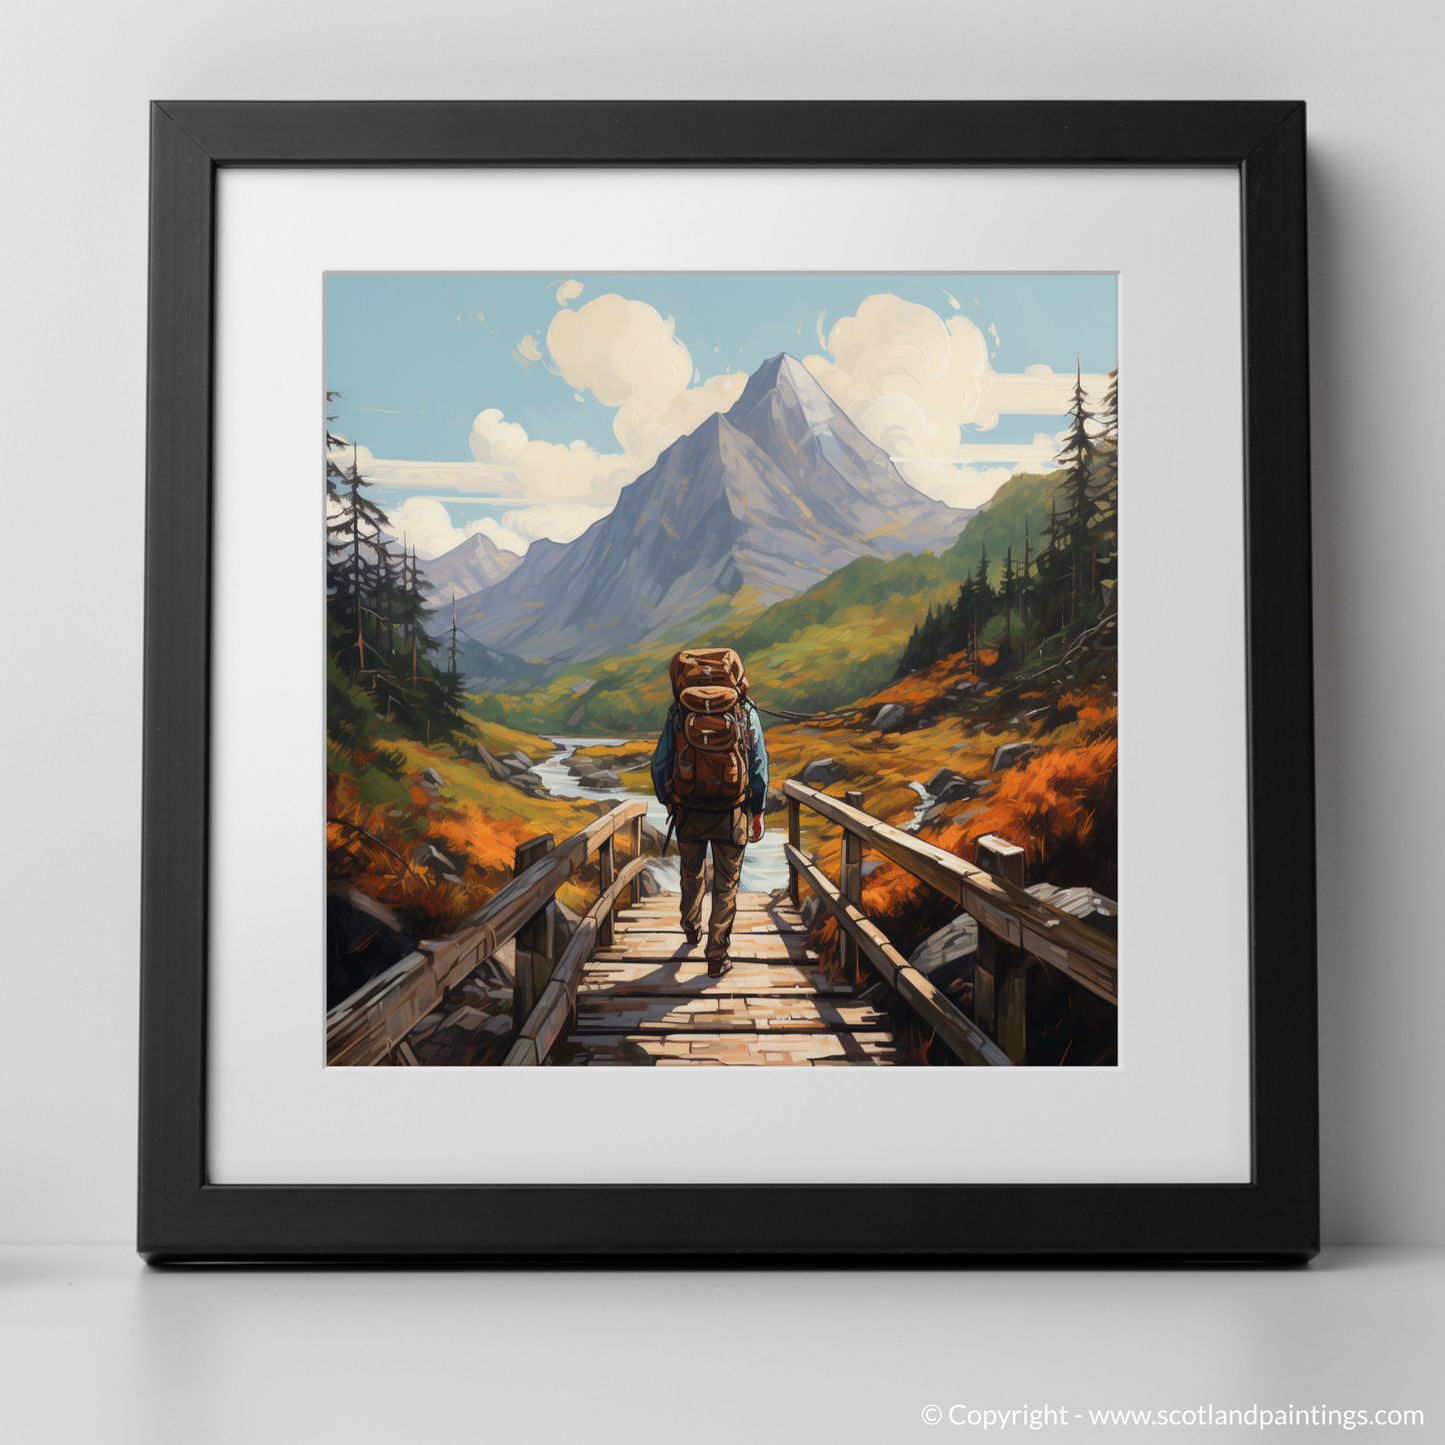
<point x="764" y="867"/>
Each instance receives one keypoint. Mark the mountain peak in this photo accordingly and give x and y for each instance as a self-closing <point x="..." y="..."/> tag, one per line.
<point x="770" y="496"/>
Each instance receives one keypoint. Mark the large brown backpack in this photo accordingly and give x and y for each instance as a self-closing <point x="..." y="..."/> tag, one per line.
<point x="710" y="729"/>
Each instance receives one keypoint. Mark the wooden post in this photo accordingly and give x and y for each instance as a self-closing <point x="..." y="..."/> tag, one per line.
<point x="635" y="829"/>
<point x="850" y="881"/>
<point x="606" y="871"/>
<point x="795" y="837"/>
<point x="1012" y="1024"/>
<point x="1003" y="859"/>
<point x="533" y="940"/>
<point x="985" y="968"/>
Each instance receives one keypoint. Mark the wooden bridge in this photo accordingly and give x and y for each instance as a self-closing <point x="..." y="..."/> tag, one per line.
<point x="628" y="990"/>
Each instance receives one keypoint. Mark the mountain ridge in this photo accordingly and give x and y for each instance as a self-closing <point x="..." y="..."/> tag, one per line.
<point x="755" y="504"/>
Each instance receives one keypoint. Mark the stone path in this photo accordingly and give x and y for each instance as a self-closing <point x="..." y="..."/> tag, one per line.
<point x="648" y="998"/>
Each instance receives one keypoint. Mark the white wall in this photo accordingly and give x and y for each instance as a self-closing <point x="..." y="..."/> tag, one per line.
<point x="76" y="79"/>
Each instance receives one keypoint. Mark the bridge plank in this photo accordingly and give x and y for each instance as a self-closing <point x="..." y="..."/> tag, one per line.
<point x="688" y="975"/>
<point x="751" y="1013"/>
<point x="740" y="1050"/>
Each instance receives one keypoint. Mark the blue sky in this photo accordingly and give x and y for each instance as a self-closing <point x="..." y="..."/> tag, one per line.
<point x="419" y="357"/>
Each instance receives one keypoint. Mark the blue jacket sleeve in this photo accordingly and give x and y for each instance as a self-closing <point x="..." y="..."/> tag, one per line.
<point x="662" y="756"/>
<point x="757" y="766"/>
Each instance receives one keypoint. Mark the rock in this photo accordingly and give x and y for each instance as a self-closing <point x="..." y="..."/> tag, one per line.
<point x="649" y="885"/>
<point x="521" y="757"/>
<point x="577" y="716"/>
<point x="947" y="956"/>
<point x="363" y="938"/>
<point x="434" y="860"/>
<point x="809" y="911"/>
<point x="1010" y="754"/>
<point x="476" y="753"/>
<point x="940" y="780"/>
<point x="501" y="966"/>
<point x="776" y="802"/>
<point x="822" y="771"/>
<point x="652" y="837"/>
<point x="888" y="717"/>
<point x="432" y="778"/>
<point x="955" y="791"/>
<point x="605" y="779"/>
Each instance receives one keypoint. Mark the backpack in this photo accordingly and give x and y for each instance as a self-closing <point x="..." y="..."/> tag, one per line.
<point x="710" y="727"/>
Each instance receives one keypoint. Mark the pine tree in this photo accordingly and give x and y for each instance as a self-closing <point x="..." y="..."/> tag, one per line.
<point x="1079" y="458"/>
<point x="982" y="596"/>
<point x="1107" y="488"/>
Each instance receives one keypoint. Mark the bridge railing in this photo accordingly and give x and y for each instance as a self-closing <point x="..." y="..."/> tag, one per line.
<point x="368" y="1027"/>
<point x="1013" y="925"/>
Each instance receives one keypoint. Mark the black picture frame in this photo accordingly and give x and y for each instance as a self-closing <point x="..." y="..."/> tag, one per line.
<point x="1274" y="1217"/>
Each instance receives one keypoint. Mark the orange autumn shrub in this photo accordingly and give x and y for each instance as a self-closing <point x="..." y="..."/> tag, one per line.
<point x="1059" y="807"/>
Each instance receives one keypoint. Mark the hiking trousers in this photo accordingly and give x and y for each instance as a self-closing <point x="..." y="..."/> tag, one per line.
<point x="727" y="835"/>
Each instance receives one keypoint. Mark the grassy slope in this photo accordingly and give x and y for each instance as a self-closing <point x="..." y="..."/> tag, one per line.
<point x="473" y="818"/>
<point x="835" y="642"/>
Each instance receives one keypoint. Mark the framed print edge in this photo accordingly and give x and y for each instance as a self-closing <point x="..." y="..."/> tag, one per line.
<point x="182" y="1216"/>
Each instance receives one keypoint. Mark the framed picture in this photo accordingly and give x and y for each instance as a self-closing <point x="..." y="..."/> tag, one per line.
<point x="730" y="762"/>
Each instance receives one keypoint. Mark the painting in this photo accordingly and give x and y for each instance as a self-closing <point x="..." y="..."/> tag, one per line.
<point x="721" y="669"/>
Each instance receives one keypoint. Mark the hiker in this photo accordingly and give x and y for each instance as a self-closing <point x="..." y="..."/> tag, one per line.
<point x="710" y="770"/>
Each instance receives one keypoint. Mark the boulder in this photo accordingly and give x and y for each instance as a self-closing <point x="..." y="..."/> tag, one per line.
<point x="476" y="753"/>
<point x="955" y="791"/>
<point x="363" y="938"/>
<point x="776" y="801"/>
<point x="822" y="771"/>
<point x="652" y="837"/>
<point x="1010" y="754"/>
<point x="522" y="758"/>
<point x="501" y="966"/>
<point x="649" y="885"/>
<point x="432" y="858"/>
<point x="432" y="778"/>
<point x="941" y="779"/>
<point x="947" y="956"/>
<point x="603" y="780"/>
<point x="888" y="717"/>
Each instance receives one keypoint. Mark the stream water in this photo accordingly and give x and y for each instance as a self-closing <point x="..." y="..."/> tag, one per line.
<point x="764" y="867"/>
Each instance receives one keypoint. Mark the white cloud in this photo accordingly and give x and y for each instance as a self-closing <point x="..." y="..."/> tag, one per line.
<point x="568" y="291"/>
<point x="627" y="355"/>
<point x="562" y="522"/>
<point x="955" y="486"/>
<point x="528" y="347"/>
<point x="544" y="472"/>
<point x="502" y="536"/>
<point x="424" y="524"/>
<point x="912" y="382"/>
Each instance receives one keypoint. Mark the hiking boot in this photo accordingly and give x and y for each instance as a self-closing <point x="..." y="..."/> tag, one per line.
<point x="692" y="935"/>
<point x="716" y="967"/>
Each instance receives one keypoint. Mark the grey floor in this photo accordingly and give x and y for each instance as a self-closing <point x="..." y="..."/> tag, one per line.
<point x="94" y="1347"/>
